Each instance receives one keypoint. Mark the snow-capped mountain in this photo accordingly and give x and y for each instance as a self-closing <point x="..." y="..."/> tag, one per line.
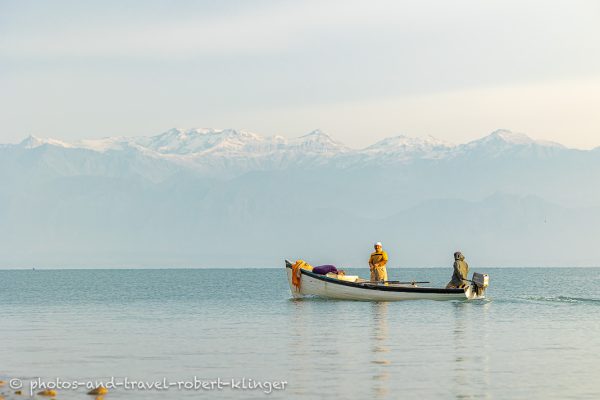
<point x="404" y="148"/>
<point x="31" y="142"/>
<point x="240" y="151"/>
<point x="230" y="142"/>
<point x="502" y="142"/>
<point x="204" y="141"/>
<point x="316" y="142"/>
<point x="186" y="197"/>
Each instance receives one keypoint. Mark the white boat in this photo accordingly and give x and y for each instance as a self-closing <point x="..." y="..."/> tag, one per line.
<point x="353" y="288"/>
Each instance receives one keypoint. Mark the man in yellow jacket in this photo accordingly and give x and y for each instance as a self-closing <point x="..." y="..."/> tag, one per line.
<point x="377" y="262"/>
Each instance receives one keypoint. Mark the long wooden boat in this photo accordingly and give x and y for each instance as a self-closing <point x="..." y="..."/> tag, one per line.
<point x="332" y="287"/>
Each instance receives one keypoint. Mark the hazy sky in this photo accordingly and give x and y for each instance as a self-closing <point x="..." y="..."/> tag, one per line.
<point x="360" y="70"/>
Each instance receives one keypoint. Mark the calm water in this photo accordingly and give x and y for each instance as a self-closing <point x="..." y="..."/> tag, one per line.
<point x="536" y="336"/>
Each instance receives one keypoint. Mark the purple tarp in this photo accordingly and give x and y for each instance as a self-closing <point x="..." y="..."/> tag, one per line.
<point x="325" y="269"/>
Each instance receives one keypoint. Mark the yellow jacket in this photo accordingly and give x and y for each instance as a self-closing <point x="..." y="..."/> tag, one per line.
<point x="379" y="257"/>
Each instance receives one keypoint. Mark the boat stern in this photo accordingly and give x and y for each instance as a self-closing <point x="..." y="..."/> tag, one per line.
<point x="479" y="284"/>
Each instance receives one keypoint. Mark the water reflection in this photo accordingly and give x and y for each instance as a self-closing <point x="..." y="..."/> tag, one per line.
<point x="460" y="345"/>
<point x="298" y="343"/>
<point x="380" y="350"/>
<point x="483" y="309"/>
<point x="471" y="350"/>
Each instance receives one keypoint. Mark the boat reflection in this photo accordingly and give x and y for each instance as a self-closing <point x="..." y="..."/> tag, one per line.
<point x="380" y="350"/>
<point x="471" y="364"/>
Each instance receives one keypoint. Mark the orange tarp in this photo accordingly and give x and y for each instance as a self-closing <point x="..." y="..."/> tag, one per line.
<point x="296" y="274"/>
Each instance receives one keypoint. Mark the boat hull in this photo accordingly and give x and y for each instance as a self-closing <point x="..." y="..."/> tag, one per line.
<point x="331" y="288"/>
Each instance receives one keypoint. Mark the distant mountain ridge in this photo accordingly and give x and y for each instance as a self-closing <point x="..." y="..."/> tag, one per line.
<point x="232" y="152"/>
<point x="189" y="197"/>
<point x="201" y="140"/>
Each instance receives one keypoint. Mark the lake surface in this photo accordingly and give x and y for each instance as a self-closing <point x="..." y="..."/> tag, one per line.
<point x="537" y="335"/>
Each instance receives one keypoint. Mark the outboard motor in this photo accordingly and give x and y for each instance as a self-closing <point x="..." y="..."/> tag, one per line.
<point x="481" y="282"/>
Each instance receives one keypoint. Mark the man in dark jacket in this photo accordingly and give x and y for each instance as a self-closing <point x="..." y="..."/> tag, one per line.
<point x="461" y="270"/>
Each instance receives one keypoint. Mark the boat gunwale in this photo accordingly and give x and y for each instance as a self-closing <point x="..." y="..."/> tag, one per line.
<point x="371" y="286"/>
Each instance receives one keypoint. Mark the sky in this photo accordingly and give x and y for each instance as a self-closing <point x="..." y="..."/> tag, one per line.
<point x="358" y="70"/>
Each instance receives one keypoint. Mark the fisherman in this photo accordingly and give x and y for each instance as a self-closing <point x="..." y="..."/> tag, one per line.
<point x="461" y="270"/>
<point x="377" y="262"/>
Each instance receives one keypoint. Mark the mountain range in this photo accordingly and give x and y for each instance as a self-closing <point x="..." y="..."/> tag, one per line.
<point x="209" y="197"/>
<point x="205" y="150"/>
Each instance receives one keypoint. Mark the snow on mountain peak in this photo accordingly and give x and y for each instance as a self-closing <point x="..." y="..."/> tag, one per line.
<point x="31" y="142"/>
<point x="510" y="137"/>
<point x="406" y="143"/>
<point x="317" y="136"/>
<point x="317" y="133"/>
<point x="229" y="148"/>
<point x="404" y="148"/>
<point x="197" y="140"/>
<point x="317" y="141"/>
<point x="503" y="138"/>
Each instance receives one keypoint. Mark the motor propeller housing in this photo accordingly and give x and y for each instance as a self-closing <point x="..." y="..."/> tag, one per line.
<point x="481" y="280"/>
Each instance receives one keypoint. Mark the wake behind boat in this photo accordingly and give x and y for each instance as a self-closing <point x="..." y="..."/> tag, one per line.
<point x="345" y="287"/>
